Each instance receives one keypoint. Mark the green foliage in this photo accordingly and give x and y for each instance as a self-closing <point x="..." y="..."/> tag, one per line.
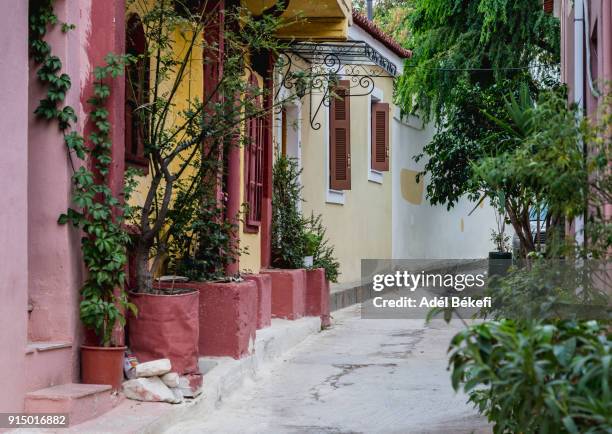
<point x="468" y="55"/>
<point x="452" y="39"/>
<point x="551" y="290"/>
<point x="535" y="377"/>
<point x="294" y="236"/>
<point x="537" y="163"/>
<point x="323" y="255"/>
<point x="201" y="238"/>
<point x="97" y="213"/>
<point x="288" y="231"/>
<point x="175" y="212"/>
<point x="311" y="243"/>
<point x="392" y="16"/>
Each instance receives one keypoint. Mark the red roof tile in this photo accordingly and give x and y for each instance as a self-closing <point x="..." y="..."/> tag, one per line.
<point x="378" y="34"/>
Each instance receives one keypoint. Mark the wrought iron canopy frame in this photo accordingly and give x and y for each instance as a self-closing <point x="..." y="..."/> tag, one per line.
<point x="355" y="61"/>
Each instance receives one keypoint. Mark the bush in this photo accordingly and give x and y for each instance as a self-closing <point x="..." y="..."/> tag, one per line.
<point x="531" y="377"/>
<point x="288" y="232"/>
<point x="294" y="236"/>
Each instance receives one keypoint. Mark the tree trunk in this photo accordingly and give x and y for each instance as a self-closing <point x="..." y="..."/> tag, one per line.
<point x="144" y="279"/>
<point x="524" y="233"/>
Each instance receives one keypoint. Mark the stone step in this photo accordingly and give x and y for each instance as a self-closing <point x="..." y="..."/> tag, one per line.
<point x="47" y="363"/>
<point x="80" y="401"/>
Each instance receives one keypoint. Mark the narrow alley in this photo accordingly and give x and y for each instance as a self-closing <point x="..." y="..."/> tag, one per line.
<point x="359" y="376"/>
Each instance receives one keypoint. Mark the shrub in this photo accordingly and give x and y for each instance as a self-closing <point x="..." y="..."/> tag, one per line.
<point x="311" y="243"/>
<point x="294" y="236"/>
<point x="288" y="232"/>
<point x="529" y="377"/>
<point x="323" y="256"/>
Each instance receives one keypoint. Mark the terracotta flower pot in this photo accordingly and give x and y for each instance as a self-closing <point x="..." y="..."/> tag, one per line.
<point x="102" y="365"/>
<point x="166" y="326"/>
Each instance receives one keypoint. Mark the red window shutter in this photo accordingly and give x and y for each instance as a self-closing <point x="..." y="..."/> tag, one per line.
<point x="340" y="137"/>
<point x="380" y="136"/>
<point x="549" y="6"/>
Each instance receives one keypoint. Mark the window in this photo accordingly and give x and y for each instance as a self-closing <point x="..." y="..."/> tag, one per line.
<point x="340" y="137"/>
<point x="253" y="166"/>
<point x="136" y="95"/>
<point x="379" y="150"/>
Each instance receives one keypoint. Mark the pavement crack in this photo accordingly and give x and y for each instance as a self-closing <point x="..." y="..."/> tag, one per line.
<point x="402" y="349"/>
<point x="334" y="382"/>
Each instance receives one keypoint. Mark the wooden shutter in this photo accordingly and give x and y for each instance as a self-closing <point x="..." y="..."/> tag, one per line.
<point x="549" y="6"/>
<point x="380" y="136"/>
<point x="340" y="137"/>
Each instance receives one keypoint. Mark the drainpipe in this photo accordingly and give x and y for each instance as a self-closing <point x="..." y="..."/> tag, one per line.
<point x="579" y="89"/>
<point x="370" y="10"/>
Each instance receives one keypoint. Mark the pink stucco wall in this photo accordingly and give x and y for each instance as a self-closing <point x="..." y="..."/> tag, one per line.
<point x="600" y="41"/>
<point x="13" y="212"/>
<point x="40" y="260"/>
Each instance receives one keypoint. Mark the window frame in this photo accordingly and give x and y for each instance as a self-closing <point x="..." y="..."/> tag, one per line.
<point x="136" y="44"/>
<point x="255" y="131"/>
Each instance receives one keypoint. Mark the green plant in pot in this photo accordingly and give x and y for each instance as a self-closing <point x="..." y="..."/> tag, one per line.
<point x="500" y="258"/>
<point x="288" y="229"/>
<point x="295" y="237"/>
<point x="311" y="245"/>
<point x="323" y="256"/>
<point x="95" y="210"/>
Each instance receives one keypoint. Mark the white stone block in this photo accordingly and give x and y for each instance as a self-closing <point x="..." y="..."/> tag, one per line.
<point x="171" y="379"/>
<point x="151" y="389"/>
<point x="153" y="368"/>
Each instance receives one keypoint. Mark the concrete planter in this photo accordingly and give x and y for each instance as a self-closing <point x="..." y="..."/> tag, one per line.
<point x="264" y="298"/>
<point x="102" y="365"/>
<point x="288" y="293"/>
<point x="499" y="263"/>
<point x="167" y="327"/>
<point x="228" y="318"/>
<point x="317" y="295"/>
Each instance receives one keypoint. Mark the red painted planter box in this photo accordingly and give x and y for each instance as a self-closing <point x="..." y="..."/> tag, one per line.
<point x="228" y="317"/>
<point x="264" y="298"/>
<point x="166" y="327"/>
<point x="288" y="293"/>
<point x="317" y="295"/>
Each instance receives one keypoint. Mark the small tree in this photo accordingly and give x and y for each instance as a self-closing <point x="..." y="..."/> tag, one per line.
<point x="539" y="164"/>
<point x="185" y="140"/>
<point x="288" y="231"/>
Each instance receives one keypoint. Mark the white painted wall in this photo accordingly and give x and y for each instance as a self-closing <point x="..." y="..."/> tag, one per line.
<point x="431" y="232"/>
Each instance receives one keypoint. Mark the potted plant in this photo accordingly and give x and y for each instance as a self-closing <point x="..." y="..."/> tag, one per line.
<point x="501" y="258"/>
<point x="100" y="216"/>
<point x="202" y="249"/>
<point x="288" y="225"/>
<point x="311" y="244"/>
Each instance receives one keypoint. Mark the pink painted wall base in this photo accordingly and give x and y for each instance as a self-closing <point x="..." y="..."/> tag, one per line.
<point x="228" y="318"/>
<point x="317" y="295"/>
<point x="288" y="293"/>
<point x="264" y="298"/>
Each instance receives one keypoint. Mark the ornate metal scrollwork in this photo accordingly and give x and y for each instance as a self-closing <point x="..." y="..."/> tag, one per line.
<point x="355" y="61"/>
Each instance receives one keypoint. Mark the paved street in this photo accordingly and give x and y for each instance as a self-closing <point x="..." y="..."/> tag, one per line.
<point x="361" y="376"/>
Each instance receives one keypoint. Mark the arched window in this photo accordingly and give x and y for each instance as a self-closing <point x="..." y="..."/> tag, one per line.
<point x="136" y="95"/>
